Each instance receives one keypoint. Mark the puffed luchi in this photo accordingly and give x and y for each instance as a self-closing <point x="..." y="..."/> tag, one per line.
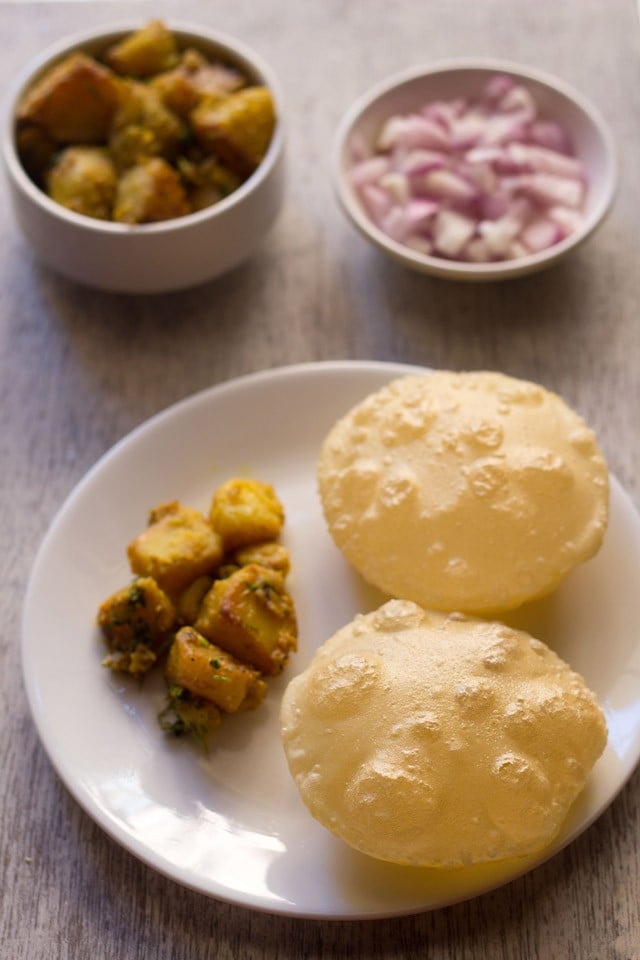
<point x="439" y="740"/>
<point x="464" y="491"/>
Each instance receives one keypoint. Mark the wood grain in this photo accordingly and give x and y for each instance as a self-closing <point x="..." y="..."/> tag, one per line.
<point x="78" y="369"/>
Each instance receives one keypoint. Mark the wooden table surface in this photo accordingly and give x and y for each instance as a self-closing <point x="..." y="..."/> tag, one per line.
<point x="79" y="369"/>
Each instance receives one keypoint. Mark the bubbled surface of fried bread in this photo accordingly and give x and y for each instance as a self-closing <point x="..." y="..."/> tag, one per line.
<point x="464" y="491"/>
<point x="439" y="740"/>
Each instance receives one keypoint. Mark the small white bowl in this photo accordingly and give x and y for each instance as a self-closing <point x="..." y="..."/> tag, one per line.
<point x="155" y="257"/>
<point x="444" y="80"/>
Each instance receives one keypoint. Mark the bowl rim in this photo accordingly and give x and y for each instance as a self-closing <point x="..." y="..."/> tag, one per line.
<point x="458" y="269"/>
<point x="237" y="50"/>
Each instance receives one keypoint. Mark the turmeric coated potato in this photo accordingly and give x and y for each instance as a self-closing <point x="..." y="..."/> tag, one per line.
<point x="144" y="52"/>
<point x="136" y="623"/>
<point x="143" y="127"/>
<point x="270" y="554"/>
<point x="178" y="546"/>
<point x="215" y="613"/>
<point x="237" y="129"/>
<point x="206" y="180"/>
<point x="190" y="600"/>
<point x="74" y="102"/>
<point x="194" y="79"/>
<point x="246" y="512"/>
<point x="207" y="671"/>
<point x="182" y="130"/>
<point x="150" y="192"/>
<point x="84" y="179"/>
<point x="252" y="616"/>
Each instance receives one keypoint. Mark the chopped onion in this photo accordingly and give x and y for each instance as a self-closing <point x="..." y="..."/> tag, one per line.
<point x="420" y="161"/>
<point x="452" y="231"/>
<point x="475" y="180"/>
<point x="447" y="185"/>
<point x="540" y="234"/>
<point x="370" y="170"/>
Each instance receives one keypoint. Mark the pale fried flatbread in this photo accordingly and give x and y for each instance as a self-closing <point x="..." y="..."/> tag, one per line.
<point x="436" y="740"/>
<point x="464" y="491"/>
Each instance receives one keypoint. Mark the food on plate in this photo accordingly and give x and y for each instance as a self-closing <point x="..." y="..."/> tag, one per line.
<point x="476" y="179"/>
<point x="251" y="614"/>
<point x="217" y="615"/>
<point x="467" y="491"/>
<point x="207" y="671"/>
<point x="175" y="130"/>
<point x="178" y="546"/>
<point x="270" y="554"/>
<point x="136" y="622"/>
<point x="439" y="740"/>
<point x="190" y="599"/>
<point x="246" y="512"/>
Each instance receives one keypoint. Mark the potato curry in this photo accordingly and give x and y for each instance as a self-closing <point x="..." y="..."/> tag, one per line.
<point x="208" y="602"/>
<point x="145" y="132"/>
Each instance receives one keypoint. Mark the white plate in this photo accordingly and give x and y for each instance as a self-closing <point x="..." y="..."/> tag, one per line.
<point x="231" y="824"/>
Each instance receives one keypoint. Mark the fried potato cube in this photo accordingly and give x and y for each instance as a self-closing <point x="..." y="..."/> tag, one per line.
<point x="193" y="79"/>
<point x="190" y="600"/>
<point x="251" y="615"/>
<point x="206" y="180"/>
<point x="143" y="127"/>
<point x="74" y="102"/>
<point x="270" y="554"/>
<point x="84" y="179"/>
<point x="136" y="622"/>
<point x="207" y="671"/>
<point x="176" y="90"/>
<point x="237" y="129"/>
<point x="246" y="512"/>
<point x="178" y="546"/>
<point x="149" y="192"/>
<point x="144" y="52"/>
<point x="212" y="79"/>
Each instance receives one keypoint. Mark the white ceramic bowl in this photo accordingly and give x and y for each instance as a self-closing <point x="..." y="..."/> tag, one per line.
<point x="445" y="80"/>
<point x="155" y="257"/>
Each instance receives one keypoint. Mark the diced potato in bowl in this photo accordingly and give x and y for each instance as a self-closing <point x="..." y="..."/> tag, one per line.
<point x="143" y="97"/>
<point x="188" y="204"/>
